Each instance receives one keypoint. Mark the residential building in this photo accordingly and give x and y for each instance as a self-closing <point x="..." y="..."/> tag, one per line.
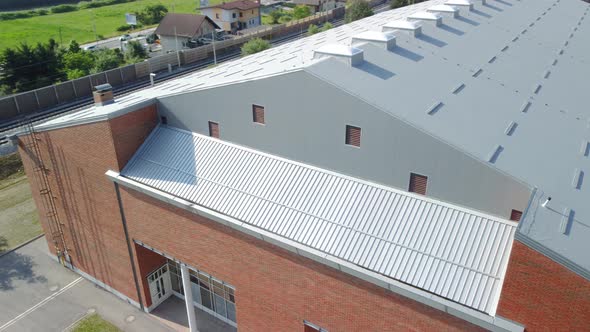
<point x="181" y="31"/>
<point x="420" y="169"/>
<point x="317" y="5"/>
<point x="235" y="15"/>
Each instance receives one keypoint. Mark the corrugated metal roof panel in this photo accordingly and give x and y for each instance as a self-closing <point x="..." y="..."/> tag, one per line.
<point x="453" y="252"/>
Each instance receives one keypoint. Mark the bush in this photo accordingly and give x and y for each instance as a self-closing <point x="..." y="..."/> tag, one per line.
<point x="124" y="28"/>
<point x="356" y="10"/>
<point x="313" y="29"/>
<point x="42" y="12"/>
<point x="327" y="26"/>
<point x="285" y="19"/>
<point x="63" y="9"/>
<point x="300" y="12"/>
<point x="9" y="165"/>
<point x="254" y="46"/>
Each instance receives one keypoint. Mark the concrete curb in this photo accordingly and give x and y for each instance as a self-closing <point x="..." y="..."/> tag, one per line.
<point x="21" y="245"/>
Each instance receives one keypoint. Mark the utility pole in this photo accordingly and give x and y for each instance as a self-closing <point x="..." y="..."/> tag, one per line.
<point x="213" y="35"/>
<point x="94" y="28"/>
<point x="176" y="44"/>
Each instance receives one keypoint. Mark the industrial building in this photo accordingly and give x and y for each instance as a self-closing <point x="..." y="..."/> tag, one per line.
<point x="420" y="169"/>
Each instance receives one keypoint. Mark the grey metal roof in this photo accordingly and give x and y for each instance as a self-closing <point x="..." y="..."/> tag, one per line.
<point x="509" y="89"/>
<point x="453" y="252"/>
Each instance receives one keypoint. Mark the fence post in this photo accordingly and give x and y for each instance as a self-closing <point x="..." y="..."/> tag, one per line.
<point x="37" y="98"/>
<point x="56" y="94"/>
<point x="16" y="103"/>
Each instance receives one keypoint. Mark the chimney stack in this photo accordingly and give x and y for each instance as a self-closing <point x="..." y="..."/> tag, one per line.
<point x="103" y="94"/>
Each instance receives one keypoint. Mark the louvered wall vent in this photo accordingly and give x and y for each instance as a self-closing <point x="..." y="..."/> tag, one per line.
<point x="445" y="10"/>
<point x="385" y="40"/>
<point x="350" y="55"/>
<point x="433" y="18"/>
<point x="413" y="28"/>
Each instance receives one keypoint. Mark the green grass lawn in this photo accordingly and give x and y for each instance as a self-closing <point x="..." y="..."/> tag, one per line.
<point x="95" y="323"/>
<point x="78" y="25"/>
<point x="19" y="220"/>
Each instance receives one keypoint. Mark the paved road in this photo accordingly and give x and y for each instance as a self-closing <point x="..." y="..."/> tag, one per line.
<point x="114" y="41"/>
<point x="38" y="294"/>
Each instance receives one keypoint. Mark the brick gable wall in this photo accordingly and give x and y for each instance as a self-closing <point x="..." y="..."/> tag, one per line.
<point x="544" y="295"/>
<point x="77" y="158"/>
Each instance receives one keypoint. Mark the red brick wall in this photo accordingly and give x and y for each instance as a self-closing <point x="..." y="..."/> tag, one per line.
<point x="77" y="158"/>
<point x="148" y="261"/>
<point x="544" y="295"/>
<point x="275" y="289"/>
<point x="130" y="131"/>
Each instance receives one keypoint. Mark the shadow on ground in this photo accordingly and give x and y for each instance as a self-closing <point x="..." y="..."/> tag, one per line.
<point x="16" y="266"/>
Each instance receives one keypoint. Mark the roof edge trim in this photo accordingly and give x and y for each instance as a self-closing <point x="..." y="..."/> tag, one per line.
<point x="473" y="316"/>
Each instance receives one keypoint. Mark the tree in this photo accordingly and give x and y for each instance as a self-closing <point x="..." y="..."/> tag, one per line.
<point x="78" y="64"/>
<point x="152" y="14"/>
<point x="135" y="52"/>
<point x="300" y="12"/>
<point x="27" y="68"/>
<point x="254" y="46"/>
<point x="275" y="16"/>
<point x="74" y="47"/>
<point x="106" y="59"/>
<point x="356" y="10"/>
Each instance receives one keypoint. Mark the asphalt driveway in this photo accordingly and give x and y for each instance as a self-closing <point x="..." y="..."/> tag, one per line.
<point x="38" y="294"/>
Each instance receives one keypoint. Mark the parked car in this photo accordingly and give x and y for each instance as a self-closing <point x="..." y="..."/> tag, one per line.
<point x="90" y="48"/>
<point x="125" y="37"/>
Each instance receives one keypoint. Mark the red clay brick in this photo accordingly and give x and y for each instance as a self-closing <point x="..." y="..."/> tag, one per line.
<point x="544" y="295"/>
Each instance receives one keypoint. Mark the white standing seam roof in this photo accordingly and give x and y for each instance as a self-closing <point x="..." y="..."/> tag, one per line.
<point x="453" y="252"/>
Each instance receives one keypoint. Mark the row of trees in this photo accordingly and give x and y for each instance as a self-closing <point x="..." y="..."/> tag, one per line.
<point x="62" y="8"/>
<point x="30" y="67"/>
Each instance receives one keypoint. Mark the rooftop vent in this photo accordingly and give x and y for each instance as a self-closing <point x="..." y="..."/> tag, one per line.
<point x="445" y="9"/>
<point x="413" y="28"/>
<point x="351" y="55"/>
<point x="103" y="95"/>
<point x="434" y="18"/>
<point x="465" y="4"/>
<point x="382" y="39"/>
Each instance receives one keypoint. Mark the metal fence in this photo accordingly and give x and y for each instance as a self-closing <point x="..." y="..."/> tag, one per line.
<point x="80" y="89"/>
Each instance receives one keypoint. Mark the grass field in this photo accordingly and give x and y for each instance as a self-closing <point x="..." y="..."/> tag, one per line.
<point x="78" y="25"/>
<point x="19" y="220"/>
<point x="95" y="323"/>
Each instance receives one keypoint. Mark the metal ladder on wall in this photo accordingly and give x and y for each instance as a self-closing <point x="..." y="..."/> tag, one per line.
<point x="30" y="143"/>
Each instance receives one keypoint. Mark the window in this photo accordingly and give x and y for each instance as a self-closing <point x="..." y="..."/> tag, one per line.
<point x="164" y="120"/>
<point x="209" y="293"/>
<point x="353" y="136"/>
<point x="309" y="327"/>
<point x="213" y="129"/>
<point x="418" y="183"/>
<point x="233" y="15"/>
<point x="258" y="114"/>
<point x="241" y="14"/>
<point x="515" y="215"/>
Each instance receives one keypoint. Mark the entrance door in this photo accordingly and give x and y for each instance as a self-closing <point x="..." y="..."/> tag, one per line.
<point x="160" y="285"/>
